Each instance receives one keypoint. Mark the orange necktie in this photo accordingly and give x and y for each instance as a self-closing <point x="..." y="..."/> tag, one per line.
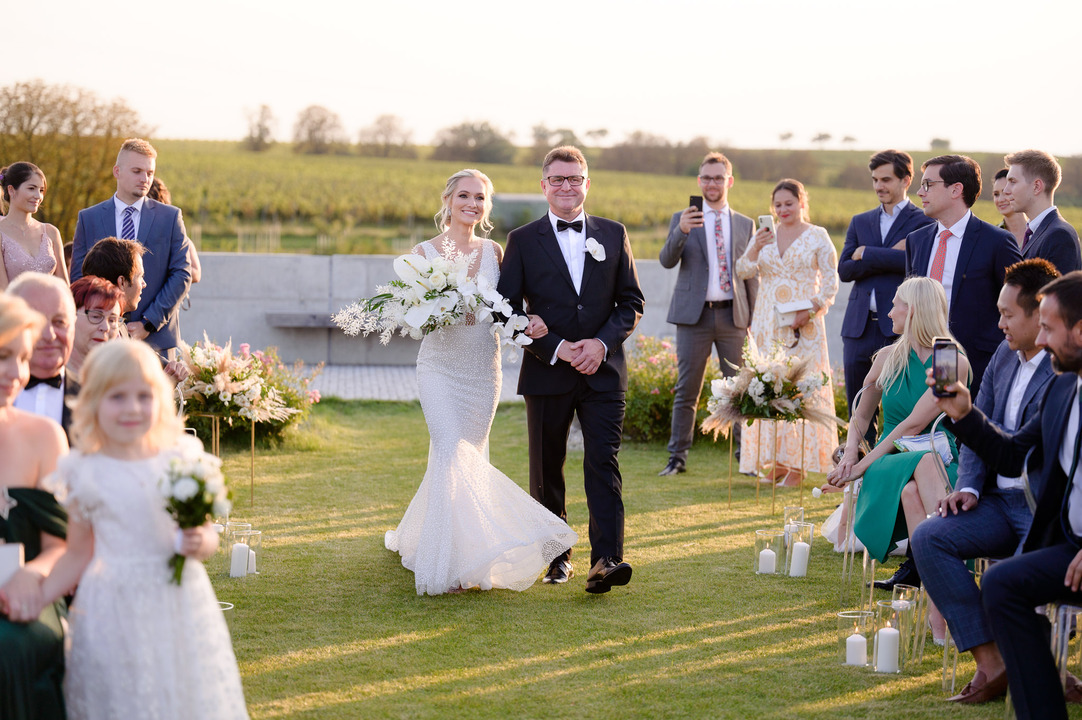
<point x="940" y="257"/>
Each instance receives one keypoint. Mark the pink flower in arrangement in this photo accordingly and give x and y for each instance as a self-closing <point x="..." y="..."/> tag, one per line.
<point x="652" y="360"/>
<point x="313" y="396"/>
<point x="245" y="350"/>
<point x="666" y="344"/>
<point x="655" y="391"/>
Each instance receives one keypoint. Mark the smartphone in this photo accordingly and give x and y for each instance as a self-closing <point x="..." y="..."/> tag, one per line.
<point x="766" y="221"/>
<point x="944" y="366"/>
<point x="696" y="202"/>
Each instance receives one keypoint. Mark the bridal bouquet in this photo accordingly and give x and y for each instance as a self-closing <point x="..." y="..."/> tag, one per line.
<point x="194" y="490"/>
<point x="428" y="295"/>
<point x="767" y="387"/>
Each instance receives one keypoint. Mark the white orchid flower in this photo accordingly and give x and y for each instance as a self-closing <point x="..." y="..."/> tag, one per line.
<point x="411" y="267"/>
<point x="596" y="250"/>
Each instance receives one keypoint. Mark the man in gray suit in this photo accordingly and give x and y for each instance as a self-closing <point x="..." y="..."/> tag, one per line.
<point x="711" y="306"/>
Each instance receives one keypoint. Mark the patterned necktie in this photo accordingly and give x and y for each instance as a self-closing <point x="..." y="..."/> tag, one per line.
<point x="1065" y="508"/>
<point x="127" y="228"/>
<point x="940" y="257"/>
<point x="723" y="263"/>
<point x="1026" y="237"/>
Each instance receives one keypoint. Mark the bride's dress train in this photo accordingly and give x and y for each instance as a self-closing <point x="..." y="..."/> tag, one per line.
<point x="469" y="525"/>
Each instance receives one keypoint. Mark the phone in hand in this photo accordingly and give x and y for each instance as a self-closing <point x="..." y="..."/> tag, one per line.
<point x="766" y="221"/>
<point x="944" y="366"/>
<point x="696" y="202"/>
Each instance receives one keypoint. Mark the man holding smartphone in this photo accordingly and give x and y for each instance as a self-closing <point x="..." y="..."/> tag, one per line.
<point x="711" y="307"/>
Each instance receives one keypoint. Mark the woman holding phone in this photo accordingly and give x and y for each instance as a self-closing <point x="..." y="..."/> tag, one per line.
<point x="796" y="264"/>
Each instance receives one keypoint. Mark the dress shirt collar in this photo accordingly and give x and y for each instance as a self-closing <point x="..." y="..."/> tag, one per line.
<point x="1035" y="222"/>
<point x="958" y="229"/>
<point x="897" y="208"/>
<point x="580" y="216"/>
<point x="1034" y="361"/>
<point x="120" y="204"/>
<point x="724" y="211"/>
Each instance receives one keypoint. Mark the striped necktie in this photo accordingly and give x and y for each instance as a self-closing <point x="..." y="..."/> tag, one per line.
<point x="127" y="228"/>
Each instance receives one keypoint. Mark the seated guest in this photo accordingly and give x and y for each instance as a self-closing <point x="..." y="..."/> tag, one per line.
<point x="121" y="263"/>
<point x="900" y="489"/>
<point x="1049" y="569"/>
<point x="1013" y="222"/>
<point x="1032" y="179"/>
<point x="98" y="317"/>
<point x="987" y="514"/>
<point x="31" y="645"/>
<point x="50" y="385"/>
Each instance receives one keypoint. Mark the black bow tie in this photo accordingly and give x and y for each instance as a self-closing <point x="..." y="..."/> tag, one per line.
<point x="575" y="225"/>
<point x="55" y="381"/>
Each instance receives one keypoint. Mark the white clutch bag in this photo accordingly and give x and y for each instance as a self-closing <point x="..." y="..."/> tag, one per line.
<point x="11" y="559"/>
<point x="786" y="312"/>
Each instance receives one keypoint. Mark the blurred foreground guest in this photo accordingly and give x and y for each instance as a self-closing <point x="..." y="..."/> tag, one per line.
<point x="98" y="318"/>
<point x="1013" y="222"/>
<point x="25" y="243"/>
<point x="121" y="263"/>
<point x="1032" y="179"/>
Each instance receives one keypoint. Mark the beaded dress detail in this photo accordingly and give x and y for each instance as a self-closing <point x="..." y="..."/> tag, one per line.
<point x="17" y="260"/>
<point x="469" y="525"/>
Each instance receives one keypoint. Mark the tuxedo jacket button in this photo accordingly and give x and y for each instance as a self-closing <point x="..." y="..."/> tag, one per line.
<point x="580" y="307"/>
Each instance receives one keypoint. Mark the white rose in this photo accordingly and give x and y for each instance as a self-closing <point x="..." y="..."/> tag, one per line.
<point x="185" y="489"/>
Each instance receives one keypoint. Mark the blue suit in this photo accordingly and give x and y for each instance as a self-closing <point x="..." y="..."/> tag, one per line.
<point x="983" y="258"/>
<point x="996" y="526"/>
<point x="1012" y="588"/>
<point x="168" y="275"/>
<point x="1057" y="242"/>
<point x="880" y="270"/>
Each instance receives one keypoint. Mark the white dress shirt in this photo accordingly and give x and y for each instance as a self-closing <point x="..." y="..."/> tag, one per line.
<point x="1066" y="457"/>
<point x="120" y="207"/>
<point x="573" y="247"/>
<point x="1035" y="222"/>
<point x="954" y="245"/>
<point x="1012" y="417"/>
<point x="886" y="222"/>
<point x="710" y="220"/>
<point x="43" y="399"/>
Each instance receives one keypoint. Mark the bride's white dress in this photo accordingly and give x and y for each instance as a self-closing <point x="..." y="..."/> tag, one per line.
<point x="469" y="525"/>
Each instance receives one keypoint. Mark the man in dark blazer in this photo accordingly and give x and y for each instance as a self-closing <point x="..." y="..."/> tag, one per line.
<point x="1032" y="179"/>
<point x="50" y="386"/>
<point x="129" y="214"/>
<point x="1050" y="566"/>
<point x="967" y="255"/>
<point x="873" y="259"/>
<point x="711" y="306"/>
<point x="987" y="515"/>
<point x="576" y="271"/>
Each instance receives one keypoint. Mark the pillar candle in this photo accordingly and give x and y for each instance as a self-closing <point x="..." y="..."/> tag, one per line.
<point x="886" y="653"/>
<point x="238" y="562"/>
<point x="856" y="650"/>
<point x="767" y="562"/>
<point x="798" y="567"/>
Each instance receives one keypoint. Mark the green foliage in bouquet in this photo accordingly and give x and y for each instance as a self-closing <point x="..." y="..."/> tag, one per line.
<point x="651" y="387"/>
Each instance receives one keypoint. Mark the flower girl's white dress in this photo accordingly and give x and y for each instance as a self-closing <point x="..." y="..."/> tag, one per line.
<point x="141" y="647"/>
<point x="469" y="525"/>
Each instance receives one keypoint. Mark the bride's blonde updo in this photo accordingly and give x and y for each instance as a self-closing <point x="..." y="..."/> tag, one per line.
<point x="443" y="217"/>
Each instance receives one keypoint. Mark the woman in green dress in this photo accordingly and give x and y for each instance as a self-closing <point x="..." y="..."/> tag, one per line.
<point x="900" y="489"/>
<point x="31" y="647"/>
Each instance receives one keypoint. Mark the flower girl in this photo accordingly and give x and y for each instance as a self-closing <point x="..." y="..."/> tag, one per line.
<point x="141" y="645"/>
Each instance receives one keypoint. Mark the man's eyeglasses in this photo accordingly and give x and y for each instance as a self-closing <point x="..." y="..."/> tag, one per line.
<point x="558" y="180"/>
<point x="926" y="184"/>
<point x="96" y="317"/>
<point x="716" y="179"/>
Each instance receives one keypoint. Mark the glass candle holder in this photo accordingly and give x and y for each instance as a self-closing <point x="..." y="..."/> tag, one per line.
<point x="893" y="620"/>
<point x="854" y="636"/>
<point x="246" y="553"/>
<point x="911" y="596"/>
<point x="227" y="613"/>
<point x="791" y="515"/>
<point x="799" y="551"/>
<point x="769" y="552"/>
<point x="225" y="543"/>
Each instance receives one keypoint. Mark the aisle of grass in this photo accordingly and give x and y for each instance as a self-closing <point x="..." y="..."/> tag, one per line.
<point x="334" y="629"/>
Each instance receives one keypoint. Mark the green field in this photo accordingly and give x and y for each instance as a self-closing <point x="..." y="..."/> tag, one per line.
<point x="371" y="205"/>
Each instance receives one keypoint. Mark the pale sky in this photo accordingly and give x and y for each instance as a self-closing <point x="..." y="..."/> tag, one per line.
<point x="737" y="72"/>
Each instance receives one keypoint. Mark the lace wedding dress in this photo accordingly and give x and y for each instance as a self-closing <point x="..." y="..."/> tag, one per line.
<point x="469" y="525"/>
<point x="141" y="647"/>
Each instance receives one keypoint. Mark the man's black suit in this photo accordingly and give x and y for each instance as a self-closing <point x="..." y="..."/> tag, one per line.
<point x="607" y="307"/>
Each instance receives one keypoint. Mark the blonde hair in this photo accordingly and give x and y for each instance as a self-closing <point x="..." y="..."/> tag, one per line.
<point x="443" y="217"/>
<point x="106" y="366"/>
<point x="139" y="146"/>
<point x="16" y="316"/>
<point x="926" y="320"/>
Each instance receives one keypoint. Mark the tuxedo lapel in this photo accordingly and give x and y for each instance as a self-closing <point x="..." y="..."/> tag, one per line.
<point x="588" y="263"/>
<point x="551" y="245"/>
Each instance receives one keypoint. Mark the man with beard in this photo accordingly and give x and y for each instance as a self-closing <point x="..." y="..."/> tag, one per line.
<point x="711" y="306"/>
<point x="1050" y="566"/>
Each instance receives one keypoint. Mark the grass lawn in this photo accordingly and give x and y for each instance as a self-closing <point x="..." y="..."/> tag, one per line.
<point x="333" y="627"/>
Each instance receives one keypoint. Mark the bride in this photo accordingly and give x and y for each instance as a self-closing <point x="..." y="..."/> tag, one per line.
<point x="469" y="525"/>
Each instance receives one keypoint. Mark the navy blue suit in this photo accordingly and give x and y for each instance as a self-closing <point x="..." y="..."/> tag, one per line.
<point x="168" y="274"/>
<point x="1012" y="588"/>
<point x="880" y="270"/>
<point x="1057" y="242"/>
<point x="983" y="258"/>
<point x="996" y="526"/>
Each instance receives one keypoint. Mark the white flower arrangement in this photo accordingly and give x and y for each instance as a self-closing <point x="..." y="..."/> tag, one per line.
<point x="193" y="489"/>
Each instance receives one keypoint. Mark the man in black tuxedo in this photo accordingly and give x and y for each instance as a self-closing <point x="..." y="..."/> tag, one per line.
<point x="1050" y="566"/>
<point x="576" y="271"/>
<point x="1032" y="179"/>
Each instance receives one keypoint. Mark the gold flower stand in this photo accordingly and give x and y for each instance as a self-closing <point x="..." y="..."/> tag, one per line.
<point x="215" y="447"/>
<point x="773" y="460"/>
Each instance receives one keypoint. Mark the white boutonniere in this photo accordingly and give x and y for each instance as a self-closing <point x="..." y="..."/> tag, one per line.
<point x="595" y="249"/>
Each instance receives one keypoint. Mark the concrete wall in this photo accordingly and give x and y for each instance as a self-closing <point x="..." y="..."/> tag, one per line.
<point x="238" y="290"/>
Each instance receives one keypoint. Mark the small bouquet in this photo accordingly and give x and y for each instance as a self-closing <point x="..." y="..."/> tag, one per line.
<point x="194" y="490"/>
<point x="767" y="387"/>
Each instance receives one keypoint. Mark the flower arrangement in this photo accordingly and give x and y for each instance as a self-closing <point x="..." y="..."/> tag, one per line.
<point x="767" y="387"/>
<point x="651" y="386"/>
<point x="428" y="295"/>
<point x="194" y="490"/>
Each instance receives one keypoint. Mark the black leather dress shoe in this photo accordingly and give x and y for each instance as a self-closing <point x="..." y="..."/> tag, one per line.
<point x="905" y="575"/>
<point x="606" y="573"/>
<point x="675" y="466"/>
<point x="560" y="571"/>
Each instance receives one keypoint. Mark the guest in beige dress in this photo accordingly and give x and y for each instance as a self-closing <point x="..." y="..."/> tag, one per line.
<point x="798" y="262"/>
<point x="25" y="243"/>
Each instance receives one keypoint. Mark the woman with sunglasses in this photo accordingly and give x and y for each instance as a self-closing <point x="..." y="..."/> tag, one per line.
<point x="97" y="317"/>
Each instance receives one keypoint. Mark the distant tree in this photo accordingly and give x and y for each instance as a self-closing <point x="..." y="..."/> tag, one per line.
<point x="261" y="125"/>
<point x="545" y="139"/>
<point x="687" y="156"/>
<point x="597" y="135"/>
<point x="73" y="136"/>
<point x="386" y="137"/>
<point x="941" y="145"/>
<point x="785" y="137"/>
<point x="639" y="152"/>
<point x="473" y="142"/>
<point x="821" y="138"/>
<point x="318" y="131"/>
<point x="848" y="140"/>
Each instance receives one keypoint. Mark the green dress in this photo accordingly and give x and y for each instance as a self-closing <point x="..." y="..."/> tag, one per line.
<point x="880" y="523"/>
<point x="32" y="659"/>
